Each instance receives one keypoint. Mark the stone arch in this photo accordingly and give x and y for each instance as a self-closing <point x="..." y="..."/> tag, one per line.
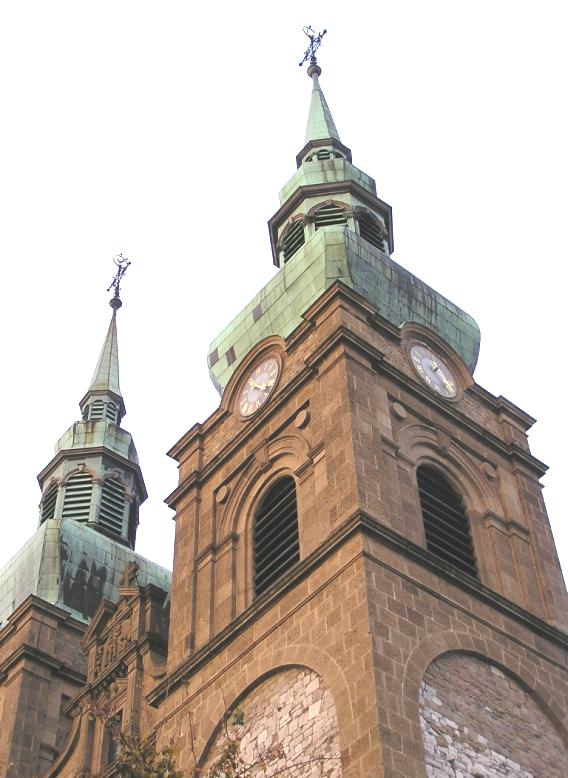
<point x="446" y="643"/>
<point x="79" y="469"/>
<point x="412" y="331"/>
<point x="292" y="222"/>
<point x="425" y="445"/>
<point x="273" y="345"/>
<point x="118" y="475"/>
<point x="300" y="657"/>
<point x="311" y="215"/>
<point x="50" y="483"/>
<point x="287" y="455"/>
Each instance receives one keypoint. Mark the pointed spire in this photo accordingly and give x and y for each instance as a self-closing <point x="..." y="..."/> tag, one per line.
<point x="104" y="398"/>
<point x="320" y="121"/>
<point x="106" y="375"/>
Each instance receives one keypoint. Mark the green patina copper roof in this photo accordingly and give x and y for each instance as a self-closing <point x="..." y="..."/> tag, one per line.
<point x="106" y="375"/>
<point x="332" y="255"/>
<point x="72" y="566"/>
<point x="320" y="121"/>
<point x="325" y="175"/>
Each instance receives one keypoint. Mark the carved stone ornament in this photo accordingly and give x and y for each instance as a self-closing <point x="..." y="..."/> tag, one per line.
<point x="116" y="643"/>
<point x="399" y="411"/>
<point x="223" y="494"/>
<point x="130" y="574"/>
<point x="488" y="471"/>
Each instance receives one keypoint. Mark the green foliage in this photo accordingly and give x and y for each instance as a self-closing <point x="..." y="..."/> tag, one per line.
<point x="140" y="759"/>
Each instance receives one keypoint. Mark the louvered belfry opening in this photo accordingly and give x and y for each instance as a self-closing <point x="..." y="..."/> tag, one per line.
<point x="370" y="230"/>
<point x="328" y="215"/>
<point x="111" y="514"/>
<point x="111" y="413"/>
<point x="78" y="494"/>
<point x="446" y="525"/>
<point x="97" y="410"/>
<point x="48" y="504"/>
<point x="276" y="543"/>
<point x="293" y="240"/>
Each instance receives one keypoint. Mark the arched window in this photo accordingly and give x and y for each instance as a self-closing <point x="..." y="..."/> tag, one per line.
<point x="276" y="544"/>
<point x="48" y="504"/>
<point x="111" y="515"/>
<point x="78" y="493"/>
<point x="446" y="525"/>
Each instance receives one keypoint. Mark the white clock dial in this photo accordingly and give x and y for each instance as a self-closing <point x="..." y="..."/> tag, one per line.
<point x="433" y="371"/>
<point x="259" y="385"/>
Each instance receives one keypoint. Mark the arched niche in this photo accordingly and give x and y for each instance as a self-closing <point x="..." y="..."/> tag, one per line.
<point x="477" y="719"/>
<point x="286" y="721"/>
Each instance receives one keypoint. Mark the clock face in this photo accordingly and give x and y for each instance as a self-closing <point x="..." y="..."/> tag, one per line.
<point x="259" y="385"/>
<point x="433" y="371"/>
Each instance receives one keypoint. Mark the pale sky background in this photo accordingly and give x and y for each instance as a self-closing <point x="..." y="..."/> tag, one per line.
<point x="165" y="130"/>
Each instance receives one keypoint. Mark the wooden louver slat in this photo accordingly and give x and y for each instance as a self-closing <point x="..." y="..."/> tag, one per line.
<point x="328" y="215"/>
<point x="48" y="504"/>
<point x="111" y="512"/>
<point x="77" y="501"/>
<point x="97" y="410"/>
<point x="293" y="240"/>
<point x="446" y="525"/>
<point x="370" y="230"/>
<point x="111" y="413"/>
<point x="276" y="545"/>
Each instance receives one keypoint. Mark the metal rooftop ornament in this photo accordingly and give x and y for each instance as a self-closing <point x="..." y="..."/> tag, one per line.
<point x="315" y="43"/>
<point x="122" y="263"/>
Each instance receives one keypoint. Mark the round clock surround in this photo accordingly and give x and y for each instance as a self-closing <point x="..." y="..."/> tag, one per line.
<point x="433" y="371"/>
<point x="259" y="384"/>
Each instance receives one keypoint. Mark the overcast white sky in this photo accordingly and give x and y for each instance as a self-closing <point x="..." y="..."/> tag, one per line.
<point x="165" y="131"/>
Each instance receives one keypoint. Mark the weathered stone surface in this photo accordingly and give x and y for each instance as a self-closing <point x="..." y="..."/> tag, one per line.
<point x="478" y="721"/>
<point x="292" y="715"/>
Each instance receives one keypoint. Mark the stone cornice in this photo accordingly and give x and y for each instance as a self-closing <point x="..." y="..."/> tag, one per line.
<point x="31" y="603"/>
<point x="361" y="523"/>
<point x="33" y="654"/>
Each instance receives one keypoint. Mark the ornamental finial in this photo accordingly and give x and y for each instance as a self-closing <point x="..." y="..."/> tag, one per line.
<point x="310" y="53"/>
<point x="122" y="263"/>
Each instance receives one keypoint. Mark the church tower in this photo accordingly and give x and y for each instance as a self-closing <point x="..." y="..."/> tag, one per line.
<point x="363" y="561"/>
<point x="95" y="478"/>
<point x="82" y="551"/>
<point x="363" y="567"/>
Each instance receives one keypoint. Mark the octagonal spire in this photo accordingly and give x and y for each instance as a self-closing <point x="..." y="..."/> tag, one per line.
<point x="320" y="121"/>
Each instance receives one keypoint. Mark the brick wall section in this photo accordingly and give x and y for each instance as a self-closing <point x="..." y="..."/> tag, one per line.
<point x="292" y="714"/>
<point x="477" y="721"/>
